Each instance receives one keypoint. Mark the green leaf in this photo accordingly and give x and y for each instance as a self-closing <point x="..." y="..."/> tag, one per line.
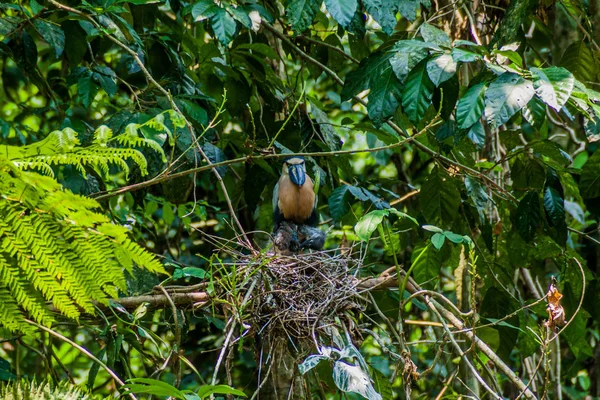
<point x="51" y="34"/>
<point x="441" y="68"/>
<point x="203" y="9"/>
<point x="406" y="58"/>
<point x="87" y="89"/>
<point x="384" y="12"/>
<point x="439" y="198"/>
<point x="478" y="195"/>
<point x="438" y="240"/>
<point x="206" y="390"/>
<point x="528" y="217"/>
<point x="477" y="135"/>
<point x="338" y="202"/>
<point x="435" y="35"/>
<point x="535" y="112"/>
<point x="426" y="262"/>
<point x="553" y="85"/>
<point x="385" y="96"/>
<point x="506" y="96"/>
<point x="580" y="60"/>
<point x="223" y="25"/>
<point x="302" y="13"/>
<point x="470" y="107"/>
<point x="432" y="228"/>
<point x="417" y="93"/>
<point x="368" y="69"/>
<point x="196" y="112"/>
<point x="342" y="10"/>
<point x="554" y="204"/>
<point x="365" y="227"/>
<point x="465" y="55"/>
<point x="589" y="183"/>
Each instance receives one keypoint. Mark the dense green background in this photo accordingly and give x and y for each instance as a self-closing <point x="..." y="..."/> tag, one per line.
<point x="474" y="127"/>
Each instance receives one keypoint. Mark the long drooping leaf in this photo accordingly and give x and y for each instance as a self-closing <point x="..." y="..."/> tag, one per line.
<point x="426" y="261"/>
<point x="506" y="96"/>
<point x="439" y="198"/>
<point x="528" y="217"/>
<point x="589" y="183"/>
<point x="580" y="60"/>
<point x="470" y="107"/>
<point x="417" y="93"/>
<point x="385" y="96"/>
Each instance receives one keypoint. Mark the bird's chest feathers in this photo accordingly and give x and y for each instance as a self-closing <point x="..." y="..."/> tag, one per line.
<point x="296" y="202"/>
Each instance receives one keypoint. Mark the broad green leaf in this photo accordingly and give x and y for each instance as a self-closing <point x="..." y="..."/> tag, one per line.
<point x="384" y="12"/>
<point x="465" y="55"/>
<point x="196" y="112"/>
<point x="405" y="59"/>
<point x="535" y="112"/>
<point x="441" y="68"/>
<point x="554" y="204"/>
<point x="580" y="60"/>
<point x="438" y="240"/>
<point x="240" y="15"/>
<point x="342" y="10"/>
<point x="553" y="85"/>
<point x="223" y="25"/>
<point x="338" y="202"/>
<point x="439" y="198"/>
<point x="87" y="89"/>
<point x="107" y="79"/>
<point x="477" y="135"/>
<point x="478" y="195"/>
<point x="369" y="223"/>
<point x="417" y="93"/>
<point x="52" y="34"/>
<point x="528" y="217"/>
<point x="506" y="96"/>
<point x="435" y="35"/>
<point x="302" y="13"/>
<point x="409" y="8"/>
<point x="589" y="183"/>
<point x="203" y="9"/>
<point x="426" y="261"/>
<point x="470" y="107"/>
<point x="385" y="96"/>
<point x="360" y="79"/>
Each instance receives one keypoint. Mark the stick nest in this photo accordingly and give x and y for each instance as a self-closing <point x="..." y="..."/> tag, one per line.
<point x="300" y="295"/>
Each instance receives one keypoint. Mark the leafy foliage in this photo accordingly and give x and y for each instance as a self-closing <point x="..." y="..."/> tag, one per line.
<point x="478" y="123"/>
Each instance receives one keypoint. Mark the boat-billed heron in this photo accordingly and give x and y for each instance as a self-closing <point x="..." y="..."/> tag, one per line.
<point x="295" y="202"/>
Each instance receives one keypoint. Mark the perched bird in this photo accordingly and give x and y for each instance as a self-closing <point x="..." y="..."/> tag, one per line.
<point x="294" y="198"/>
<point x="295" y="203"/>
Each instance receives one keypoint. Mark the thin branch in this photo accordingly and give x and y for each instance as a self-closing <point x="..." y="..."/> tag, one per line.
<point x="83" y="351"/>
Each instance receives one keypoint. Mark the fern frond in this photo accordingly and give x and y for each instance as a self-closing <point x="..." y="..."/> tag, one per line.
<point x="55" y="248"/>
<point x="131" y="138"/>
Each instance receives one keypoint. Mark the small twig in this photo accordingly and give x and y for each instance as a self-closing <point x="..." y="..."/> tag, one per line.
<point x="83" y="351"/>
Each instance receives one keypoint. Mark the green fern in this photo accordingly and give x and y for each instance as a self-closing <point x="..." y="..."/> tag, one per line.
<point x="54" y="246"/>
<point x="24" y="390"/>
<point x="64" y="148"/>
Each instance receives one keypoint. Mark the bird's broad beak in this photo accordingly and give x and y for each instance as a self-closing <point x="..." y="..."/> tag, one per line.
<point x="297" y="175"/>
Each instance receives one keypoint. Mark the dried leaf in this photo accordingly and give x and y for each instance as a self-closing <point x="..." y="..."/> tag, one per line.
<point x="556" y="312"/>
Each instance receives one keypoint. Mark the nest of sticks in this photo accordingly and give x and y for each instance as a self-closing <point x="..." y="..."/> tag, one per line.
<point x="300" y="296"/>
